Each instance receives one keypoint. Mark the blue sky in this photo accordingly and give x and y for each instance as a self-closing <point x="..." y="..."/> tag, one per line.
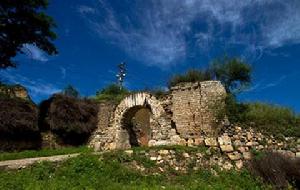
<point x="158" y="38"/>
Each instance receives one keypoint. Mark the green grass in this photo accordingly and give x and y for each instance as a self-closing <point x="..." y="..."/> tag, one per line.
<point x="89" y="172"/>
<point x="41" y="153"/>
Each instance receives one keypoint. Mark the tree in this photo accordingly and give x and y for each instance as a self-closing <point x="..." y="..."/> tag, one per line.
<point x="234" y="73"/>
<point x="24" y="22"/>
<point x="70" y="91"/>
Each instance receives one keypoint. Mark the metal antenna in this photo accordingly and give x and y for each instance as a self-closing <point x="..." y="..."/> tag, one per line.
<point x="121" y="75"/>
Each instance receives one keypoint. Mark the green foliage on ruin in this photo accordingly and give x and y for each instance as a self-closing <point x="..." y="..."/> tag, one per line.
<point x="192" y="75"/>
<point x="111" y="93"/>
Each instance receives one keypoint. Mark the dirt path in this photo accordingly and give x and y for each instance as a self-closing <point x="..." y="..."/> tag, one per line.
<point x="23" y="163"/>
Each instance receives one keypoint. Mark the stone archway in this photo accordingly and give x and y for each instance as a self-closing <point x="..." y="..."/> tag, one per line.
<point x="159" y="126"/>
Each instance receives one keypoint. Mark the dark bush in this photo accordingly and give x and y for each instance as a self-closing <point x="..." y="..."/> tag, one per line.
<point x="18" y="116"/>
<point x="72" y="119"/>
<point x="276" y="169"/>
<point x="18" y="124"/>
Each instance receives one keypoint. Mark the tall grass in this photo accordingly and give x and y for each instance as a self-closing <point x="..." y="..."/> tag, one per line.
<point x="273" y="119"/>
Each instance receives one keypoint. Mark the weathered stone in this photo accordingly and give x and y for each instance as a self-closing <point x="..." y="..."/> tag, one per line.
<point x="185" y="155"/>
<point x="239" y="164"/>
<point x="152" y="143"/>
<point x="227" y="165"/>
<point x="243" y="149"/>
<point x="234" y="156"/>
<point x="199" y="141"/>
<point x="163" y="152"/>
<point x="190" y="142"/>
<point x="247" y="155"/>
<point x="298" y="154"/>
<point x="224" y="140"/>
<point x="129" y="152"/>
<point x="211" y="142"/>
<point x="226" y="148"/>
<point x="249" y="136"/>
<point x="237" y="143"/>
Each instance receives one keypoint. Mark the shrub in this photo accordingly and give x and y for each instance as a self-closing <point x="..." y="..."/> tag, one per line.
<point x="112" y="93"/>
<point x="273" y="119"/>
<point x="72" y="119"/>
<point x="18" y="116"/>
<point x="192" y="75"/>
<point x="18" y="124"/>
<point x="276" y="169"/>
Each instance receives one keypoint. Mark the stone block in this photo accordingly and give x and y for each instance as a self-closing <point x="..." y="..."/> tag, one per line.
<point x="226" y="148"/>
<point x="234" y="156"/>
<point x="199" y="141"/>
<point x="247" y="155"/>
<point x="224" y="140"/>
<point x="129" y="152"/>
<point x="211" y="142"/>
<point x="239" y="164"/>
<point x="297" y="154"/>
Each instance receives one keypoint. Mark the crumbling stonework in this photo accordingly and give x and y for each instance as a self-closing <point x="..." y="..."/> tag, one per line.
<point x="195" y="107"/>
<point x="187" y="112"/>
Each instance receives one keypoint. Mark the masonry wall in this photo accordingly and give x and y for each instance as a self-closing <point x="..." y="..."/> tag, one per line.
<point x="195" y="107"/>
<point x="102" y="134"/>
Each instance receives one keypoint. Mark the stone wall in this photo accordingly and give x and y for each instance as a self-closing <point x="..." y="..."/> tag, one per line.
<point x="102" y="134"/>
<point x="195" y="107"/>
<point x="188" y="111"/>
<point x="187" y="116"/>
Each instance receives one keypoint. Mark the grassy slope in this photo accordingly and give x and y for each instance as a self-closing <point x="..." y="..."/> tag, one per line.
<point x="41" y="153"/>
<point x="88" y="172"/>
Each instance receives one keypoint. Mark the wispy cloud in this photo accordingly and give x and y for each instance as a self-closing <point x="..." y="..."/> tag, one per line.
<point x="163" y="33"/>
<point x="33" y="52"/>
<point x="265" y="85"/>
<point x="35" y="88"/>
<point x="63" y="72"/>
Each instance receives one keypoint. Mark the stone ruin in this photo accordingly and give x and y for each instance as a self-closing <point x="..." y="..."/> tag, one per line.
<point x="189" y="116"/>
<point x="188" y="112"/>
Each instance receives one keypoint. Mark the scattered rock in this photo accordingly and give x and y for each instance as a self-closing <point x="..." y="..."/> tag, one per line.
<point x="247" y="155"/>
<point x="239" y="164"/>
<point x="211" y="142"/>
<point x="226" y="148"/>
<point x="129" y="152"/>
<point x="234" y="156"/>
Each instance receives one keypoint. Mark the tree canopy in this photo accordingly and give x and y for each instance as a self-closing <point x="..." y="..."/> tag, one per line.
<point x="24" y="22"/>
<point x="234" y="73"/>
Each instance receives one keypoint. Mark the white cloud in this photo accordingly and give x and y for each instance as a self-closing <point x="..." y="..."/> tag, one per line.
<point x="35" y="88"/>
<point x="161" y="32"/>
<point x="33" y="52"/>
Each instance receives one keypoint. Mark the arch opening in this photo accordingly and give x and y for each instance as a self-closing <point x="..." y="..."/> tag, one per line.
<point x="136" y="124"/>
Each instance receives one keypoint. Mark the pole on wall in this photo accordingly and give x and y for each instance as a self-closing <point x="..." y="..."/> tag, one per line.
<point x="121" y="74"/>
